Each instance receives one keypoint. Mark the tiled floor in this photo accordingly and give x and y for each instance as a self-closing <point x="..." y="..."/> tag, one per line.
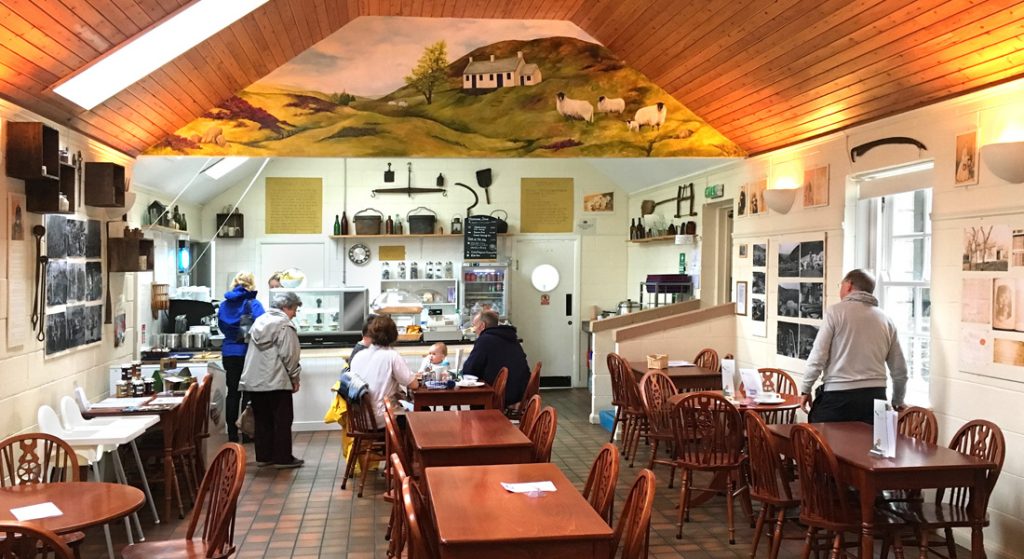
<point x="303" y="513"/>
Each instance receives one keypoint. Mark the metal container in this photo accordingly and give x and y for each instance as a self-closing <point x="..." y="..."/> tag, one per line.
<point x="367" y="224"/>
<point x="629" y="306"/>
<point x="170" y="341"/>
<point x="421" y="224"/>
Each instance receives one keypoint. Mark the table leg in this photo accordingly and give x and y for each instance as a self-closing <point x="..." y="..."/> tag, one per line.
<point x="867" y="517"/>
<point x="168" y="420"/>
<point x="106" y="527"/>
<point x="145" y="483"/>
<point x="123" y="480"/>
<point x="977" y="507"/>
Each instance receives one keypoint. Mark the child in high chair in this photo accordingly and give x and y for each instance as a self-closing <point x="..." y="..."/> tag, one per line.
<point x="436" y="357"/>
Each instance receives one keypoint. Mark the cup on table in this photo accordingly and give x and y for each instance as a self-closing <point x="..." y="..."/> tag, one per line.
<point x="768" y="396"/>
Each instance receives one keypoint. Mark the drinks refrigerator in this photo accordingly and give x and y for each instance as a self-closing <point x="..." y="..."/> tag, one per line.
<point x="484" y="283"/>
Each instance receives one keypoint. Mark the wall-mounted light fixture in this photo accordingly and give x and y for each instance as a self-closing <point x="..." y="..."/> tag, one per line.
<point x="1005" y="160"/>
<point x="780" y="199"/>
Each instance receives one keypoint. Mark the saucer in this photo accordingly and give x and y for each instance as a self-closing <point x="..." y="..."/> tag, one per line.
<point x="469" y="383"/>
<point x="776" y="400"/>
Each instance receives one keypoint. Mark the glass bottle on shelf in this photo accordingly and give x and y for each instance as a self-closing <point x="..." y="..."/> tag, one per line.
<point x="389" y="226"/>
<point x="449" y="270"/>
<point x="344" y="223"/>
<point x="337" y="225"/>
<point x="632" y="229"/>
<point x="413" y="271"/>
<point x="401" y="270"/>
<point x="399" y="230"/>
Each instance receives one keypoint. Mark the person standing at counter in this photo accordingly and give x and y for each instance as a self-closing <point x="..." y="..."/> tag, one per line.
<point x="270" y="377"/>
<point x="240" y="300"/>
<point x="498" y="346"/>
<point x="381" y="367"/>
<point x="275" y="280"/>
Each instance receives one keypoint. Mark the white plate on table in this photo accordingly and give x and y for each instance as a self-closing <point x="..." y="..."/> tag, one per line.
<point x="469" y="383"/>
<point x="770" y="401"/>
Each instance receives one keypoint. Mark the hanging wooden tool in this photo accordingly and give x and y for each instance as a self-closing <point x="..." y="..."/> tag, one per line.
<point x="683" y="194"/>
<point x="409" y="190"/>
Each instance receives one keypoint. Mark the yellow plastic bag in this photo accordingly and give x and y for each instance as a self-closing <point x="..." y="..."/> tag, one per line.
<point x="338" y="413"/>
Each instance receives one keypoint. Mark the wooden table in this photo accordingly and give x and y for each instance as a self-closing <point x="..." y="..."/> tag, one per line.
<point x="475" y="517"/>
<point x="790" y="402"/>
<point x="84" y="503"/>
<point x="917" y="465"/>
<point x="168" y="415"/>
<point x="465" y="438"/>
<point x="424" y="397"/>
<point x="686" y="379"/>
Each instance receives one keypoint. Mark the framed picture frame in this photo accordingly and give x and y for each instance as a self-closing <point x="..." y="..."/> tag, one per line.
<point x="966" y="171"/>
<point x="741" y="298"/>
<point x="815" y="189"/>
<point x="599" y="202"/>
<point x="743" y="250"/>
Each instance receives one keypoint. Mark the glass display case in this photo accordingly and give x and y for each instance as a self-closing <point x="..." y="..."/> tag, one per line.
<point x="484" y="283"/>
<point x="405" y="309"/>
<point x="329" y="315"/>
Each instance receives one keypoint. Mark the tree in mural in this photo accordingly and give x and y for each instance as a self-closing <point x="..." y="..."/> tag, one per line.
<point x="430" y="70"/>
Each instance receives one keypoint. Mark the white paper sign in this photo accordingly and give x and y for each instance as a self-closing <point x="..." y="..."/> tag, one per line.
<point x="35" y="512"/>
<point x="884" y="431"/>
<point x="751" y="382"/>
<point x="680" y="364"/>
<point x="729" y="377"/>
<point x="530" y="487"/>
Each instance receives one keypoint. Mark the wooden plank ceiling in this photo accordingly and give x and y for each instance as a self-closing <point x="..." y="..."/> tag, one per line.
<point x="764" y="73"/>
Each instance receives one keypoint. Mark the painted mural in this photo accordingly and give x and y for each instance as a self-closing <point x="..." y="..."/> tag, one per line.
<point x="428" y="87"/>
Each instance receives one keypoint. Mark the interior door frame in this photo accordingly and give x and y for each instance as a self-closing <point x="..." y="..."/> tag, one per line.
<point x="580" y="377"/>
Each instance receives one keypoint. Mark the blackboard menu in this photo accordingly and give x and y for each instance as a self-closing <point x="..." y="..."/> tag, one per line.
<point x="480" y="238"/>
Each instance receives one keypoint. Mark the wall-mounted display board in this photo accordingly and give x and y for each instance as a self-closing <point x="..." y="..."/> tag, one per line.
<point x="546" y="205"/>
<point x="799" y="282"/>
<point x="294" y="206"/>
<point x="480" y="238"/>
<point x="74" y="283"/>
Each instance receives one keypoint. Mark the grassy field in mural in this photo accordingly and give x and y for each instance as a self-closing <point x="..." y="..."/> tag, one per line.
<point x="511" y="122"/>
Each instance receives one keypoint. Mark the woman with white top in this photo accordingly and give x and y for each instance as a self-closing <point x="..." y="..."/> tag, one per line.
<point x="381" y="366"/>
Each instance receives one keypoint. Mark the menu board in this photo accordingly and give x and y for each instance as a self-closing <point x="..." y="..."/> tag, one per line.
<point x="480" y="238"/>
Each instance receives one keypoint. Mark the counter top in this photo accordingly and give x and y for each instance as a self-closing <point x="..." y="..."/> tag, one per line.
<point x="405" y="350"/>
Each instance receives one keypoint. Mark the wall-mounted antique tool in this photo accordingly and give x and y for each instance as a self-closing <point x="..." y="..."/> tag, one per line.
<point x="483" y="178"/>
<point x="683" y="194"/>
<point x="860" y="150"/>
<point x="476" y="198"/>
<point x="409" y="189"/>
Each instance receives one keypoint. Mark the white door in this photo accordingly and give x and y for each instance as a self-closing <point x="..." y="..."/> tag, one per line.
<point x="547" y="318"/>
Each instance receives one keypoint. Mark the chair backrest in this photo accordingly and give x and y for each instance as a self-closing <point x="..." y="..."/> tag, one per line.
<point x="708" y="358"/>
<point x="634" y="528"/>
<point x="655" y="390"/>
<point x="824" y="498"/>
<point x="71" y="413"/>
<point x="533" y="385"/>
<point x="398" y="530"/>
<point x="708" y="430"/>
<point x="49" y="422"/>
<point x="543" y="434"/>
<point x="218" y="497"/>
<point x="918" y="423"/>
<point x="24" y="539"/>
<point x="499" y="389"/>
<point x="201" y="411"/>
<point x="422" y="537"/>
<point x="530" y="414"/>
<point x="777" y="380"/>
<point x="984" y="440"/>
<point x="393" y="440"/>
<point x="184" y="420"/>
<point x="629" y="388"/>
<point x="361" y="418"/>
<point x="81" y="399"/>
<point x="36" y="458"/>
<point x="769" y="480"/>
<point x="604" y="475"/>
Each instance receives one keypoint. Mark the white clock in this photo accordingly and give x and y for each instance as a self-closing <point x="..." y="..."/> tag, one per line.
<point x="544" y="278"/>
<point x="359" y="254"/>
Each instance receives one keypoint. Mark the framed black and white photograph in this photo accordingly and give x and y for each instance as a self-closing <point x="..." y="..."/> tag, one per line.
<point x="758" y="285"/>
<point x="93" y="281"/>
<point x="760" y="258"/>
<point x="76" y="237"/>
<point x="56" y="333"/>
<point x="92" y="239"/>
<point x="966" y="159"/>
<point x="811" y="298"/>
<point x="56" y="283"/>
<point x="812" y="259"/>
<point x="787" y="339"/>
<point x="93" y="324"/>
<point x="76" y="326"/>
<point x="789" y="299"/>
<point x="987" y="248"/>
<point x="56" y="237"/>
<point x="76" y="282"/>
<point x="757" y="309"/>
<point x="743" y="250"/>
<point x="741" y="298"/>
<point x="789" y="260"/>
<point x="807" y="334"/>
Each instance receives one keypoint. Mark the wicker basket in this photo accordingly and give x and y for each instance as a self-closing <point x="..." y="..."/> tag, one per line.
<point x="657" y="361"/>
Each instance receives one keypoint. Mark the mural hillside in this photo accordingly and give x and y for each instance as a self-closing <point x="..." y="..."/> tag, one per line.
<point x="544" y="97"/>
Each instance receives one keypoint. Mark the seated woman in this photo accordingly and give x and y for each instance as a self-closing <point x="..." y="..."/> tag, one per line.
<point x="381" y="367"/>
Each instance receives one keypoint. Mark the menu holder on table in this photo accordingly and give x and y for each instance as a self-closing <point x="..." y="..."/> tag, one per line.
<point x="751" y="379"/>
<point x="729" y="378"/>
<point x="885" y="419"/>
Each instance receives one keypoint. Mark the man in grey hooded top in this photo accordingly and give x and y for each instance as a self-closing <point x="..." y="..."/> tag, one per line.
<point x="853" y="347"/>
<point x="271" y="376"/>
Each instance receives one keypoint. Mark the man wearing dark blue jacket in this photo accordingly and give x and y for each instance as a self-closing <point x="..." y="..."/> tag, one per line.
<point x="498" y="346"/>
<point x="241" y="299"/>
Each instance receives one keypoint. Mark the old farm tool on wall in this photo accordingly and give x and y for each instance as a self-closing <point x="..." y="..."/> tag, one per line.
<point x="483" y="178"/>
<point x="860" y="150"/>
<point x="683" y="194"/>
<point x="476" y="198"/>
<point x="38" y="296"/>
<point x="409" y="189"/>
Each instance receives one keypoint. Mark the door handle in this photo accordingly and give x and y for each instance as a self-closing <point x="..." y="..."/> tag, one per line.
<point x="568" y="304"/>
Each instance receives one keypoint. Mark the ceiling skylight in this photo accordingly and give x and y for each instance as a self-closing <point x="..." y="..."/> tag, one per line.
<point x="224" y="166"/>
<point x="151" y="50"/>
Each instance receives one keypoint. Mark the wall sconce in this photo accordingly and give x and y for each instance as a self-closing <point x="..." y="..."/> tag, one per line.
<point x="1005" y="160"/>
<point x="780" y="199"/>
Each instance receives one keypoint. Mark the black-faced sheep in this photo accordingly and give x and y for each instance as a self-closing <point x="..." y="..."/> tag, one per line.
<point x="651" y="115"/>
<point x="606" y="105"/>
<point x="574" y="108"/>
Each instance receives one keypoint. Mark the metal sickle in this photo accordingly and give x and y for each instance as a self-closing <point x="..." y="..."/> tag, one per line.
<point x="476" y="198"/>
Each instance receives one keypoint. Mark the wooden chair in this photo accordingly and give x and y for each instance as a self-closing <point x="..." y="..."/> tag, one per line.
<point x="500" y="381"/>
<point x="633" y="530"/>
<point x="368" y="440"/>
<point x="530" y="414"/>
<point x="396" y="525"/>
<point x="770" y="482"/>
<point x="708" y="359"/>
<point x="516" y="410"/>
<point x="826" y="502"/>
<point x="979" y="438"/>
<point x="201" y="424"/>
<point x="218" y="497"/>
<point x="543" y="434"/>
<point x="183" y="451"/>
<point x="918" y="423"/>
<point x="599" y="490"/>
<point x="422" y="542"/>
<point x="392" y="445"/>
<point x="655" y="390"/>
<point x="629" y="410"/>
<point x="709" y="438"/>
<point x="24" y="539"/>
<point x="777" y="380"/>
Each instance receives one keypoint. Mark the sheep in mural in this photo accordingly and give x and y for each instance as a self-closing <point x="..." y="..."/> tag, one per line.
<point x="392" y="103"/>
<point x="574" y="108"/>
<point x="403" y="104"/>
<point x="606" y="105"/>
<point x="651" y="115"/>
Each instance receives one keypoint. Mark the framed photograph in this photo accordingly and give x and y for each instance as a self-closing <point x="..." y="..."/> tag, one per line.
<point x="599" y="202"/>
<point x="757" y="309"/>
<point x="987" y="248"/>
<point x="812" y="259"/>
<point x="789" y="260"/>
<point x="758" y="285"/>
<point x="743" y="250"/>
<point x="807" y="333"/>
<point x="741" y="298"/>
<point x="755" y="197"/>
<point x="816" y="187"/>
<point x="789" y="300"/>
<point x="966" y="172"/>
<point x="741" y="204"/>
<point x="787" y="339"/>
<point x="760" y="259"/>
<point x="811" y="299"/>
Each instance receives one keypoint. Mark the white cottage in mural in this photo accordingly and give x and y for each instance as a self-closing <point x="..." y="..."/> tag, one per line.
<point x="503" y="72"/>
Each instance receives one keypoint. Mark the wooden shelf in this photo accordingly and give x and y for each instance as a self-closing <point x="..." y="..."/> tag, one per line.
<point x="166" y="230"/>
<point x="409" y="236"/>
<point x="43" y="194"/>
<point x="123" y="254"/>
<point x="224" y="221"/>
<point x="104" y="184"/>
<point x="33" y="151"/>
<point x="665" y="239"/>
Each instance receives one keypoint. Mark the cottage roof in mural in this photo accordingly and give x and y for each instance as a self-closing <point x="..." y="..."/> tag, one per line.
<point x="452" y="88"/>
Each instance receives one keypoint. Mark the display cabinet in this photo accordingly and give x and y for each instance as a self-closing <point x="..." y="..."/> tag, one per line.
<point x="329" y="315"/>
<point x="484" y="284"/>
<point x="104" y="184"/>
<point x="33" y="151"/>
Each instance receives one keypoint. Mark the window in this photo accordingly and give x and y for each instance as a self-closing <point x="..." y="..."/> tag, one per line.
<point x="492" y="77"/>
<point x="508" y="76"/>
<point x="899" y="252"/>
<point x="467" y="78"/>
<point x="529" y="78"/>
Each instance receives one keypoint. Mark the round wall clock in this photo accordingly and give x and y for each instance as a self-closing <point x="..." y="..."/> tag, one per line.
<point x="359" y="254"/>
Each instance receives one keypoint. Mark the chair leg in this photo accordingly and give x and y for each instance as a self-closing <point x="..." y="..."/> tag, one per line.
<point x="366" y="467"/>
<point x="759" y="528"/>
<point x="350" y="461"/>
<point x="922" y="537"/>
<point x="837" y="545"/>
<point x="780" y="519"/>
<point x="812" y="533"/>
<point x="654" y="454"/>
<point x="684" y="495"/>
<point x="730" y="513"/>
<point x="897" y="546"/>
<point x="950" y="543"/>
<point x="615" y="423"/>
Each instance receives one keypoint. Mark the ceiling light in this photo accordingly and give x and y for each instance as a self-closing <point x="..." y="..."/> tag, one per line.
<point x="224" y="166"/>
<point x="152" y="49"/>
<point x="897" y="171"/>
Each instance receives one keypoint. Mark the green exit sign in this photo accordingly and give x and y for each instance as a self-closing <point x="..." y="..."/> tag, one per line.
<point x="714" y="191"/>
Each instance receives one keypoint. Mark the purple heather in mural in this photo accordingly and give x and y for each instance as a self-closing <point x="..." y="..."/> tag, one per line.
<point x="434" y="87"/>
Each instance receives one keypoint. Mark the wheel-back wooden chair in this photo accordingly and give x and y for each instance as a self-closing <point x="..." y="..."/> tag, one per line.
<point x="396" y="531"/>
<point x="630" y="409"/>
<point x="516" y="410"/>
<point x="633" y="531"/>
<point x="201" y="424"/>
<point x="543" y="434"/>
<point x="918" y="423"/>
<point x="599" y="490"/>
<point x="708" y="359"/>
<point x="656" y="388"/>
<point x="23" y="539"/>
<point x="770" y="482"/>
<point x="777" y="380"/>
<point x="500" y="382"/>
<point x="368" y="440"/>
<point x="422" y="537"/>
<point x="183" y="449"/>
<point x="215" y="506"/>
<point x="530" y="414"/>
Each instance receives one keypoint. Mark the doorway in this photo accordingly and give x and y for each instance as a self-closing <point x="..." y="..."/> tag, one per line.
<point x="716" y="252"/>
<point x="547" y="318"/>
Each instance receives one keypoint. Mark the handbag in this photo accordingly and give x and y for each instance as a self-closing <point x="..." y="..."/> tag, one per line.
<point x="246" y="422"/>
<point x="244" y="323"/>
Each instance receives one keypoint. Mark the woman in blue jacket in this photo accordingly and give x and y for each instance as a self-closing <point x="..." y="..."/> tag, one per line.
<point x="241" y="299"/>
